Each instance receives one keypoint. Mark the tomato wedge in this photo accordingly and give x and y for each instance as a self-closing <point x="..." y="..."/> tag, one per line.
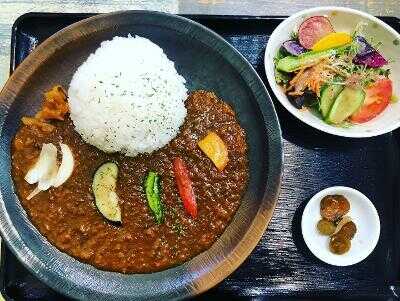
<point x="185" y="187"/>
<point x="377" y="98"/>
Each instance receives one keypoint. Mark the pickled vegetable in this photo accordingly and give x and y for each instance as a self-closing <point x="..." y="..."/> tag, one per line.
<point x="333" y="207"/>
<point x="348" y="230"/>
<point x="339" y="223"/>
<point x="326" y="227"/>
<point x="339" y="244"/>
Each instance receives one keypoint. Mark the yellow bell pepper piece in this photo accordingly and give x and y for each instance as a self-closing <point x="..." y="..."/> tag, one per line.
<point x="334" y="39"/>
<point x="215" y="149"/>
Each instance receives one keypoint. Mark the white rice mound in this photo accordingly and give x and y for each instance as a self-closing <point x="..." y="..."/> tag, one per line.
<point x="127" y="97"/>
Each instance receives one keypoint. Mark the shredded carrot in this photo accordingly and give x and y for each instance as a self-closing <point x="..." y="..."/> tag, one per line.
<point x="310" y="78"/>
<point x="297" y="76"/>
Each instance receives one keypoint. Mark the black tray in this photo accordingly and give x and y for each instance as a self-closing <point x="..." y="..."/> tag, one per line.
<point x="281" y="267"/>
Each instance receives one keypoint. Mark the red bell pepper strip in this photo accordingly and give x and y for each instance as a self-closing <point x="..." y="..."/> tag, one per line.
<point x="185" y="187"/>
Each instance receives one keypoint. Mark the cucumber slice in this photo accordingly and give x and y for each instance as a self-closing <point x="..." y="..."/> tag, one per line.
<point x="328" y="96"/>
<point x="347" y="102"/>
<point x="104" y="182"/>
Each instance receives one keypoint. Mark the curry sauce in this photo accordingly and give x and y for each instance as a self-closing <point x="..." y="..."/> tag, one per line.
<point x="67" y="215"/>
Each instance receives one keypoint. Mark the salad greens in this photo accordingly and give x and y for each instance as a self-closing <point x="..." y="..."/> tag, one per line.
<point x="341" y="75"/>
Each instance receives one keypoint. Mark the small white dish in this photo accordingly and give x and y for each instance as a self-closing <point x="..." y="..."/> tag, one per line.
<point x="363" y="214"/>
<point x="342" y="19"/>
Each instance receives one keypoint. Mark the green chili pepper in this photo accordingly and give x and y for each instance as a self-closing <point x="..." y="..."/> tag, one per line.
<point x="152" y="187"/>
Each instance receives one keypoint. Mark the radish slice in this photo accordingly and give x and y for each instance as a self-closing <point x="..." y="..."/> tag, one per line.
<point x="313" y="29"/>
<point x="66" y="167"/>
<point x="45" y="165"/>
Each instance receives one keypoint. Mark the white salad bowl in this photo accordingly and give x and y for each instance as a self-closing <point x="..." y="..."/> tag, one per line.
<point x="342" y="19"/>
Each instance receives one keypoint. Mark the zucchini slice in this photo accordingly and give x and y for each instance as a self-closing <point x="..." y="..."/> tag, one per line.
<point x="104" y="182"/>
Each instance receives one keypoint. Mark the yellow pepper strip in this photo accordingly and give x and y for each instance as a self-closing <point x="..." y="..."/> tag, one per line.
<point x="334" y="39"/>
<point x="215" y="149"/>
